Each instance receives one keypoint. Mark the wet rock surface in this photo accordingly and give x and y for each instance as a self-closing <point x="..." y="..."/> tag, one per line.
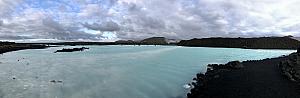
<point x="71" y="49"/>
<point x="56" y="81"/>
<point x="291" y="67"/>
<point x="249" y="79"/>
<point x="200" y="83"/>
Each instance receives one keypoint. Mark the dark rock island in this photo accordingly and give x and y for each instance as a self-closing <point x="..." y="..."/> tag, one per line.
<point x="71" y="49"/>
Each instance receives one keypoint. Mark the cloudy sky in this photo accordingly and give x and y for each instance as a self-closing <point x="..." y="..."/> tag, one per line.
<point x="106" y="20"/>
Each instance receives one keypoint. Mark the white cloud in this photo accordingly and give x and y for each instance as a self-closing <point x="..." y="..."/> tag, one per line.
<point x="7" y="7"/>
<point x="91" y="10"/>
<point x="137" y="19"/>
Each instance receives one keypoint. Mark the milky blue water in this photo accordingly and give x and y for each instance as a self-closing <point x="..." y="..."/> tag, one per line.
<point x="112" y="71"/>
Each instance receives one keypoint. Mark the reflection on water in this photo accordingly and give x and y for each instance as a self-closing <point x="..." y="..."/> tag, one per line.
<point x="112" y="71"/>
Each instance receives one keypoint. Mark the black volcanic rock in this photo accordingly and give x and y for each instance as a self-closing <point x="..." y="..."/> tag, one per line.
<point x="229" y="65"/>
<point x="71" y="50"/>
<point x="291" y="67"/>
<point x="201" y="81"/>
<point x="56" y="81"/>
<point x="250" y="79"/>
<point x="235" y="65"/>
<point x="250" y="43"/>
<point x="11" y="46"/>
<point x="298" y="49"/>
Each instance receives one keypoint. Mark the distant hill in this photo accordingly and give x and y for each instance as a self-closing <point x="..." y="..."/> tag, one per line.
<point x="250" y="43"/>
<point x="126" y="42"/>
<point x="149" y="41"/>
<point x="155" y="41"/>
<point x="296" y="38"/>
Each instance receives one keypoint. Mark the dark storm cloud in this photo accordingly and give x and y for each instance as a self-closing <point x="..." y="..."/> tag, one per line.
<point x="55" y="26"/>
<point x="104" y="26"/>
<point x="13" y="37"/>
<point x="1" y="22"/>
<point x="55" y="30"/>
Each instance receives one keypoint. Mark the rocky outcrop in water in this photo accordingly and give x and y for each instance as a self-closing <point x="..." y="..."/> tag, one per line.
<point x="71" y="49"/>
<point x="251" y="43"/>
<point x="56" y="81"/>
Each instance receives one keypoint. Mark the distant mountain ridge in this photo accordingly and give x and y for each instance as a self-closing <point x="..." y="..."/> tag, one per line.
<point x="155" y="41"/>
<point x="249" y="43"/>
<point x="149" y="41"/>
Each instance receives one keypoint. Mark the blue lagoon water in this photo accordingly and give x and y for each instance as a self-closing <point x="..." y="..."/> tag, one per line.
<point x="113" y="71"/>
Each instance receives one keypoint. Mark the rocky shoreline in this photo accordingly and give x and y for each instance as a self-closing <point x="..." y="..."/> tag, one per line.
<point x="11" y="46"/>
<point x="290" y="68"/>
<point x="276" y="77"/>
<point x="201" y="80"/>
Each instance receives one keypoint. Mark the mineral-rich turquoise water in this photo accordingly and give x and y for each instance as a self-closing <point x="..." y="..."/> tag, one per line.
<point x="112" y="71"/>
